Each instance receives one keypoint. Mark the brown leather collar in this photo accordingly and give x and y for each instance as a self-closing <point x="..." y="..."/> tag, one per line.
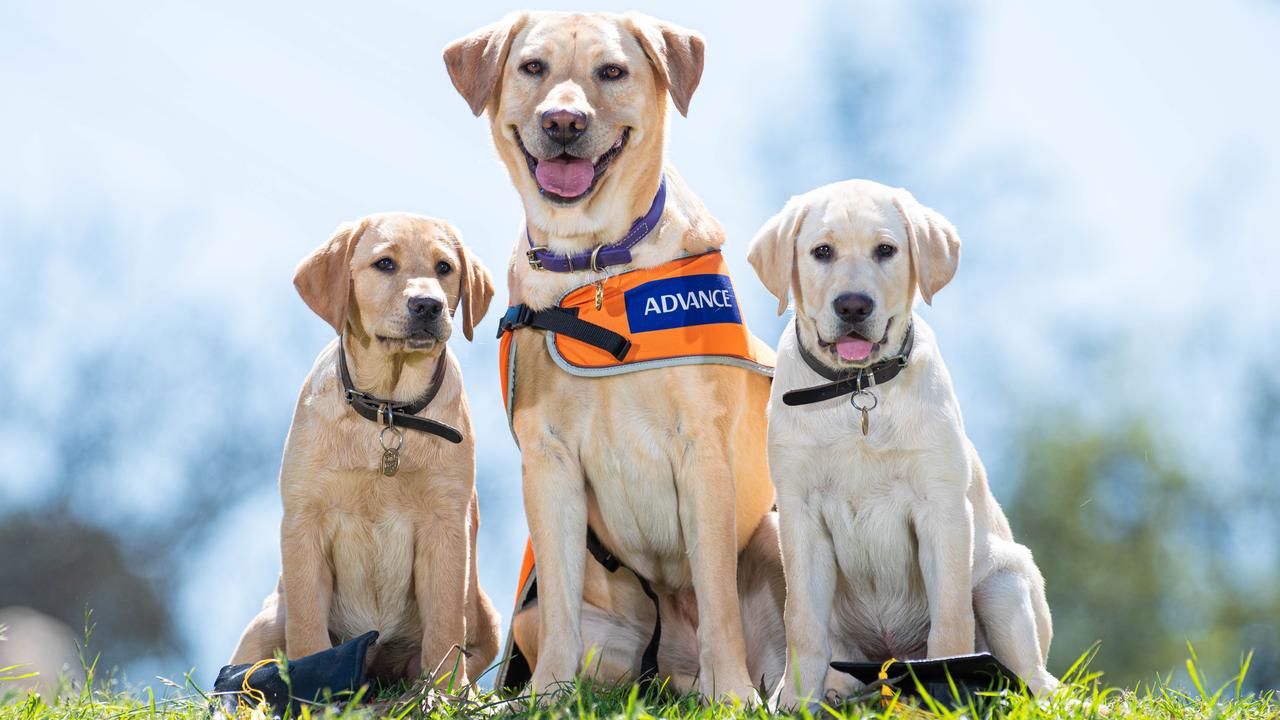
<point x="401" y="415"/>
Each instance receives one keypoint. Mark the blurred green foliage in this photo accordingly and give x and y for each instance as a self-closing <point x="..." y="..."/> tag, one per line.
<point x="1144" y="554"/>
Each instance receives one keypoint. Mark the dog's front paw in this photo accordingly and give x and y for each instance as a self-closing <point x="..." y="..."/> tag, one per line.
<point x="1041" y="683"/>
<point x="449" y="681"/>
<point x="743" y="692"/>
<point x="791" y="699"/>
<point x="816" y="703"/>
<point x="550" y="679"/>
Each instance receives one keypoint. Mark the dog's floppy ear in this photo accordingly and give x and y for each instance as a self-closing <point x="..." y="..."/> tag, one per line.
<point x="476" y="288"/>
<point x="773" y="251"/>
<point x="934" y="244"/>
<point x="675" y="52"/>
<point x="323" y="278"/>
<point x="475" y="62"/>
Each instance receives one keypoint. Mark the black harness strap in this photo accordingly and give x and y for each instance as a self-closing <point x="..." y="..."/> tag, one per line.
<point x="649" y="661"/>
<point x="560" y="320"/>
<point x="404" y="415"/>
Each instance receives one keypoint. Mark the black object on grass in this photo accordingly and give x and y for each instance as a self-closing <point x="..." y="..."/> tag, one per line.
<point x="970" y="674"/>
<point x="314" y="678"/>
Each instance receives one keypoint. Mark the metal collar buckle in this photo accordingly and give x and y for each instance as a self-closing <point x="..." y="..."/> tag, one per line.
<point x="532" y="255"/>
<point x="866" y="379"/>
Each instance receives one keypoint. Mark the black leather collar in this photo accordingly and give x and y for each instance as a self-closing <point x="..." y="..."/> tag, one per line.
<point x="401" y="415"/>
<point x="844" y="382"/>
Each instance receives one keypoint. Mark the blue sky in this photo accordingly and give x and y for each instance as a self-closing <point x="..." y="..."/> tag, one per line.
<point x="1113" y="168"/>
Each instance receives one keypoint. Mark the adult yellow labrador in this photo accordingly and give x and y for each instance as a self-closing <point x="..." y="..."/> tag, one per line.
<point x="667" y="466"/>
<point x="366" y="543"/>
<point x="894" y="545"/>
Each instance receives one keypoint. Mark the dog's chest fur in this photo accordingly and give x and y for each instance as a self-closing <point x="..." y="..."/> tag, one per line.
<point x="372" y="558"/>
<point x="634" y="437"/>
<point x="865" y="504"/>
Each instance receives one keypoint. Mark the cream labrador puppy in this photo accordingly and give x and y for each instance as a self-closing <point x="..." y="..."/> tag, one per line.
<point x="667" y="466"/>
<point x="380" y="515"/>
<point x="893" y="544"/>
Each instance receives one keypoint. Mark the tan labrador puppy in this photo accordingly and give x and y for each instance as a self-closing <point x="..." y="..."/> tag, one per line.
<point x="363" y="551"/>
<point x="893" y="544"/>
<point x="667" y="466"/>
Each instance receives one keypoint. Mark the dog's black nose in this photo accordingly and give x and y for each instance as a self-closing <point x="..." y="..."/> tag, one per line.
<point x="564" y="126"/>
<point x="427" y="308"/>
<point x="853" y="307"/>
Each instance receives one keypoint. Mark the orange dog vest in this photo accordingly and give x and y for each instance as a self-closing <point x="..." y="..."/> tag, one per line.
<point x="683" y="312"/>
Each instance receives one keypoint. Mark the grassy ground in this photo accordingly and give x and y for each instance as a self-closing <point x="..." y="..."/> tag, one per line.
<point x="1083" y="695"/>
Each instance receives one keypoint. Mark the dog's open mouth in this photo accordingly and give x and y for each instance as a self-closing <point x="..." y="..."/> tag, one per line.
<point x="854" y="347"/>
<point x="566" y="179"/>
<point x="418" y="340"/>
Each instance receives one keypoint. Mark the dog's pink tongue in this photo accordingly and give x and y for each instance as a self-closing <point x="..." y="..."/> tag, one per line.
<point x="853" y="348"/>
<point x="565" y="177"/>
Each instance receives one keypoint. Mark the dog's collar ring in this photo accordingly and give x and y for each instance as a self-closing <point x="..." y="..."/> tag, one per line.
<point x="390" y="454"/>
<point x="865" y="407"/>
<point x="874" y="402"/>
<point x="396" y="433"/>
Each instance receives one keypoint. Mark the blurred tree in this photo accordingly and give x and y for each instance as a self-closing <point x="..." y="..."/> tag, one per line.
<point x="1255" y="509"/>
<point x="123" y="446"/>
<point x="1093" y="509"/>
<point x="137" y="477"/>
<point x="62" y="565"/>
<point x="1131" y="546"/>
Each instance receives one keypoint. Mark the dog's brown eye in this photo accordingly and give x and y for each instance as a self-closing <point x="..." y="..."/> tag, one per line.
<point x="612" y="72"/>
<point x="443" y="268"/>
<point x="821" y="253"/>
<point x="386" y="265"/>
<point x="884" y="251"/>
<point x="533" y="67"/>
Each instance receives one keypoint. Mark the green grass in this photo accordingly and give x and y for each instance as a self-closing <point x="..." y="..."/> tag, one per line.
<point x="1083" y="695"/>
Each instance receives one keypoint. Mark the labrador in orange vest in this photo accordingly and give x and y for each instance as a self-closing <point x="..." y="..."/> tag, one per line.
<point x="663" y="466"/>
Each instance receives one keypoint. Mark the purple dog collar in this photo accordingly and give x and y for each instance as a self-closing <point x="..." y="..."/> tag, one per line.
<point x="601" y="256"/>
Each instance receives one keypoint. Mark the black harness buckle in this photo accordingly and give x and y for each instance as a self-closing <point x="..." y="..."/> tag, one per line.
<point x="517" y="316"/>
<point x="561" y="320"/>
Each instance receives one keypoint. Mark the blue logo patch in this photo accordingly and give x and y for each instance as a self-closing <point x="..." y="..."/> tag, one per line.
<point x="681" y="302"/>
